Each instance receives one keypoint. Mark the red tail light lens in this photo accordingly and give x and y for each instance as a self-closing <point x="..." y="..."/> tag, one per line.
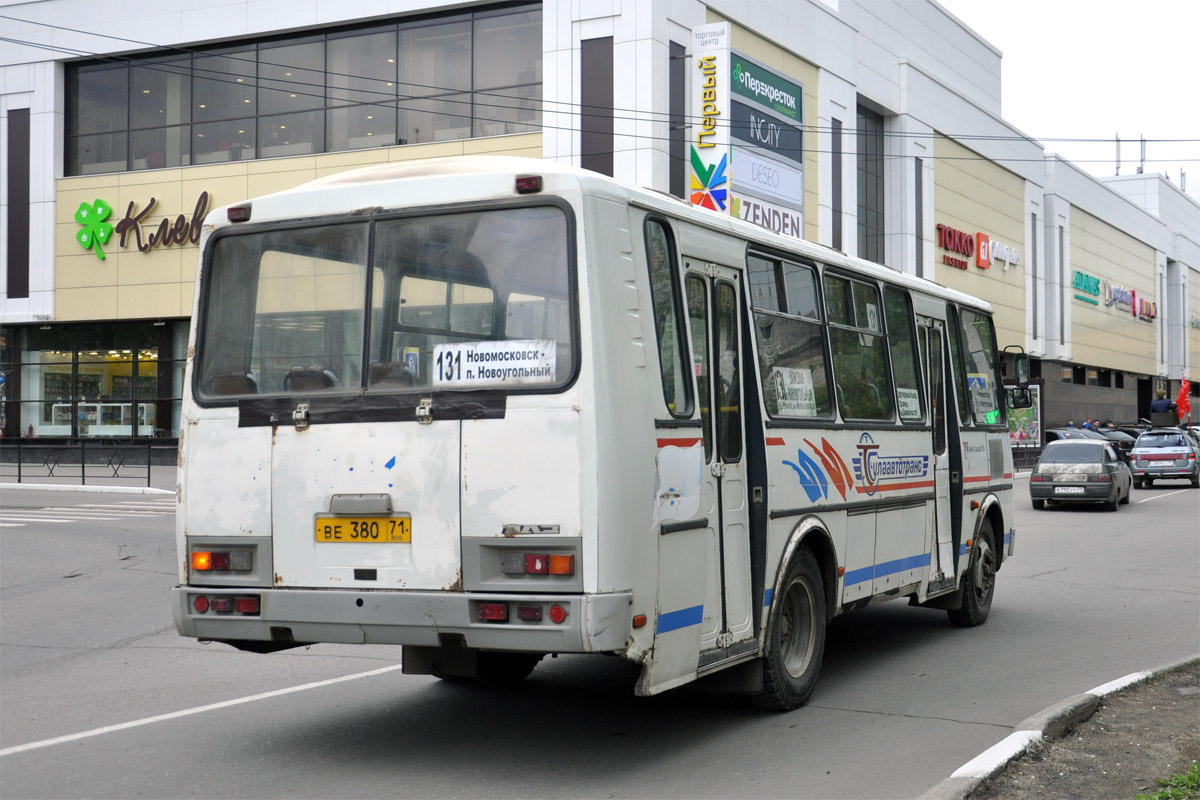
<point x="493" y="612"/>
<point x="200" y="604"/>
<point x="537" y="564"/>
<point x="223" y="604"/>
<point x="246" y="605"/>
<point x="529" y="184"/>
<point x="557" y="613"/>
<point x="1036" y="478"/>
<point x="220" y="561"/>
<point x="529" y="613"/>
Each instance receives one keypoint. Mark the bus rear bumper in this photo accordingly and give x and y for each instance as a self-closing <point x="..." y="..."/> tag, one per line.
<point x="593" y="623"/>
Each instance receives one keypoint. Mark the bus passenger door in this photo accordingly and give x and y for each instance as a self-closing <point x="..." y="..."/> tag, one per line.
<point x="713" y="312"/>
<point x="932" y="344"/>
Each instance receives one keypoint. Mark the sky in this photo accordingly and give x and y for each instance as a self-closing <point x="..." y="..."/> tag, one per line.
<point x="1096" y="69"/>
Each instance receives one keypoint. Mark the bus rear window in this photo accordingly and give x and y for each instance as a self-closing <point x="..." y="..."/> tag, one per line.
<point x="475" y="300"/>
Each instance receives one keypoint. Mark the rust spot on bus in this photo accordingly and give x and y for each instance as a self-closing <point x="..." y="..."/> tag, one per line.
<point x="457" y="585"/>
<point x="278" y="579"/>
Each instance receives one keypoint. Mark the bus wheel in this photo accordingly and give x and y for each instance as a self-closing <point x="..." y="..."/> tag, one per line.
<point x="500" y="669"/>
<point x="979" y="584"/>
<point x="796" y="640"/>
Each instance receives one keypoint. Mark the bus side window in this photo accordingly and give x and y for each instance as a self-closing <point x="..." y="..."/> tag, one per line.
<point x="668" y="313"/>
<point x="856" y="338"/>
<point x="901" y="343"/>
<point x="959" y="377"/>
<point x="792" y="356"/>
<point x="982" y="367"/>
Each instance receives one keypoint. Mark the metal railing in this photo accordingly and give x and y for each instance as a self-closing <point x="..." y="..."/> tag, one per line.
<point x="1026" y="456"/>
<point x="112" y="463"/>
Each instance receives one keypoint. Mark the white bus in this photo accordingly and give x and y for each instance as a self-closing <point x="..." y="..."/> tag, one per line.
<point x="491" y="409"/>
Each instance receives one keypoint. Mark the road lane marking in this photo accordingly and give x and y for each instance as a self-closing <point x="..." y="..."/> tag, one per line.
<point x="1160" y="496"/>
<point x="187" y="712"/>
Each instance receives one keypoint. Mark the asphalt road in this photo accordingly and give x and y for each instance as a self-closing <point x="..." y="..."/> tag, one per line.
<point x="100" y="698"/>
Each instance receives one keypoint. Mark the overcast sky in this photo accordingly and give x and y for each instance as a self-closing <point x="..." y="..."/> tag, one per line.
<point x="1092" y="69"/>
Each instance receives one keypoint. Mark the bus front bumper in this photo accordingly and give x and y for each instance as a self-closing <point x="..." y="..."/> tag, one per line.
<point x="593" y="623"/>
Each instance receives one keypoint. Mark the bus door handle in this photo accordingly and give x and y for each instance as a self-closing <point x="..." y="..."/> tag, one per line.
<point x="717" y="469"/>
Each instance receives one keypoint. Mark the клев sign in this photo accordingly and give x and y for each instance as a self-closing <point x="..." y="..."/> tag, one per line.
<point x="95" y="230"/>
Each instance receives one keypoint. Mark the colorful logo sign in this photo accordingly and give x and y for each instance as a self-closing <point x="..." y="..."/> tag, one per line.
<point x="707" y="180"/>
<point x="95" y="230"/>
<point x="815" y="479"/>
<point x="872" y="470"/>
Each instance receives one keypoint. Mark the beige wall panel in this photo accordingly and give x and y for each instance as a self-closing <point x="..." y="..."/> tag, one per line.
<point x="271" y="182"/>
<point x="1104" y="334"/>
<point x="187" y="296"/>
<point x="92" y="302"/>
<point x="334" y="163"/>
<point x="149" y="300"/>
<point x="158" y="266"/>
<point x="798" y="71"/>
<point x="504" y="145"/>
<point x="975" y="195"/>
<point x="1193" y="334"/>
<point x="77" y="271"/>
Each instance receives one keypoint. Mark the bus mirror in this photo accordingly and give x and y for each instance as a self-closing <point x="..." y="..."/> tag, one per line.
<point x="1020" y="364"/>
<point x="1019" y="397"/>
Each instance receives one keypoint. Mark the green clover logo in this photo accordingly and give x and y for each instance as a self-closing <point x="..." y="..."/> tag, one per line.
<point x="95" y="230"/>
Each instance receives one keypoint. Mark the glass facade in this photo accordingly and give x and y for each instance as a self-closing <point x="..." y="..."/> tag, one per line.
<point x="109" y="381"/>
<point x="413" y="80"/>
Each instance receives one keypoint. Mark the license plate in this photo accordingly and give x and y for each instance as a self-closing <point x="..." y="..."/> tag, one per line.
<point x="369" y="530"/>
<point x="1068" y="490"/>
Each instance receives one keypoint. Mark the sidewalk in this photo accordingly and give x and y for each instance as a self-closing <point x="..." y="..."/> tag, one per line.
<point x="97" y="479"/>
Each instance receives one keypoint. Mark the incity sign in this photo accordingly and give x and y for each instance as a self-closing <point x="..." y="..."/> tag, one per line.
<point x="95" y="230"/>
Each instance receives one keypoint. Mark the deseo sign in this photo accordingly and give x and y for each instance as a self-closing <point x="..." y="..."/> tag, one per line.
<point x="95" y="230"/>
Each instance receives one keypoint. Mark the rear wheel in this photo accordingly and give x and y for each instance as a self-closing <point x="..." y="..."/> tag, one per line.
<point x="1115" y="503"/>
<point x="1147" y="482"/>
<point x="1137" y="483"/>
<point x="796" y="640"/>
<point x="1039" y="504"/>
<point x="979" y="584"/>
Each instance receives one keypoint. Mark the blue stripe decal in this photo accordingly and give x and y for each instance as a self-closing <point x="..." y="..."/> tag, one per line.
<point x="962" y="550"/>
<point x="767" y="595"/>
<point x="859" y="575"/>
<point x="683" y="618"/>
<point x="1007" y="536"/>
<point x="887" y="568"/>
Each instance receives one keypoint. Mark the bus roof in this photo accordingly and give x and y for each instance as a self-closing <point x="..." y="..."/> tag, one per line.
<point x="492" y="179"/>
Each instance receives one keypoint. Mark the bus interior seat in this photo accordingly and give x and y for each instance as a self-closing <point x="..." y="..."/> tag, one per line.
<point x="309" y="379"/>
<point x="390" y="375"/>
<point x="234" y="383"/>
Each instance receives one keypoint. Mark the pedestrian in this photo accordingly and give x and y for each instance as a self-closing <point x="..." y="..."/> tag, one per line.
<point x="1070" y="423"/>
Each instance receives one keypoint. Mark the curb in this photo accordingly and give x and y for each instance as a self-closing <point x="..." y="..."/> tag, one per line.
<point x="67" y="487"/>
<point x="1050" y="723"/>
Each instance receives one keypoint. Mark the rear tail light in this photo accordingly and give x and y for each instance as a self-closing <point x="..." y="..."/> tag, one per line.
<point x="200" y="603"/>
<point x="493" y="612"/>
<point x="223" y="560"/>
<point x="1036" y="478"/>
<point x="223" y="604"/>
<point x="562" y="564"/>
<point x="528" y="184"/>
<point x="246" y="605"/>
<point x="520" y="563"/>
<point x="529" y="613"/>
<point x="557" y="613"/>
<point x="1103" y="477"/>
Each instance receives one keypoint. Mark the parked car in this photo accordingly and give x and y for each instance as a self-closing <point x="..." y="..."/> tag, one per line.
<point x="1080" y="470"/>
<point x="1057" y="434"/>
<point x="1166" y="453"/>
<point x="1122" y="440"/>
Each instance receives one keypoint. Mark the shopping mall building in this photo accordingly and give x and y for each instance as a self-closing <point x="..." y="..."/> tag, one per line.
<point x="871" y="127"/>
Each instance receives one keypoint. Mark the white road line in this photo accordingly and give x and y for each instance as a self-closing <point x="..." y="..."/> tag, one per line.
<point x="12" y="524"/>
<point x="61" y="518"/>
<point x="1161" y="496"/>
<point x="187" y="712"/>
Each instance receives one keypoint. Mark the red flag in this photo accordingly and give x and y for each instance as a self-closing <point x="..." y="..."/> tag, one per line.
<point x="1182" y="403"/>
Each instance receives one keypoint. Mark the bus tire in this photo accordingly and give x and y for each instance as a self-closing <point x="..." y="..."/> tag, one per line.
<point x="979" y="584"/>
<point x="1038" y="505"/>
<point x="796" y="639"/>
<point x="496" y="668"/>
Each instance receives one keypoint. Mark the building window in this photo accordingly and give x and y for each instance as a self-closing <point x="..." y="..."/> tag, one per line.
<point x="410" y="81"/>
<point x="111" y="381"/>
<point x="870" y="185"/>
<point x="1067" y="375"/>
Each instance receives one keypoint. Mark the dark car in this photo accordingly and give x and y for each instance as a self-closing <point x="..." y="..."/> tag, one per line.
<point x="1057" y="434"/>
<point x="1080" y="470"/>
<point x="1164" y="453"/>
<point x="1122" y="440"/>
